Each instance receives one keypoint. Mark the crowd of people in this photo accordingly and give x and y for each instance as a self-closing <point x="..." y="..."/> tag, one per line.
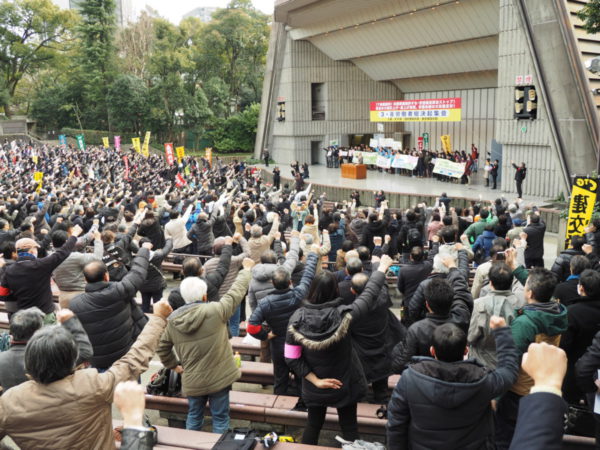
<point x="492" y="365"/>
<point x="426" y="160"/>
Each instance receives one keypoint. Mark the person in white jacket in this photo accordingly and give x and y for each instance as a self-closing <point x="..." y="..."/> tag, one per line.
<point x="175" y="229"/>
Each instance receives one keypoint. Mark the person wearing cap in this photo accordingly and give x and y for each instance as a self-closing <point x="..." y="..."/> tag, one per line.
<point x="28" y="280"/>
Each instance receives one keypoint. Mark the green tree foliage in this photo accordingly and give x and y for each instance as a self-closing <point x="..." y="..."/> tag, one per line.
<point x="202" y="79"/>
<point x="590" y="14"/>
<point x="32" y="34"/>
<point x="96" y="59"/>
<point x="128" y="103"/>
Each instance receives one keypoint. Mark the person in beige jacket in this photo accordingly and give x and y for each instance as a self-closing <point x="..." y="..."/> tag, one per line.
<point x="258" y="242"/>
<point x="63" y="408"/>
<point x="196" y="337"/>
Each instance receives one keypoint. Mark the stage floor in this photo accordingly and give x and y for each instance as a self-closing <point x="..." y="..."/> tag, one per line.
<point x="405" y="185"/>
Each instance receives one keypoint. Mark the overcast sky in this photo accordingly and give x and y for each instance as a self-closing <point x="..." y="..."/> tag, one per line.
<point x="175" y="9"/>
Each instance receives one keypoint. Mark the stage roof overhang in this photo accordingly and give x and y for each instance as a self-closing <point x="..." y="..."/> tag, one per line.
<point x="419" y="45"/>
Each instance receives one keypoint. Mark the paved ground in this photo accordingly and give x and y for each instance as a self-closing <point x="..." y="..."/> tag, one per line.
<point x="403" y="184"/>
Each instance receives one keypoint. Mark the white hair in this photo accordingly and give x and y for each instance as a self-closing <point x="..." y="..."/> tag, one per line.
<point x="192" y="289"/>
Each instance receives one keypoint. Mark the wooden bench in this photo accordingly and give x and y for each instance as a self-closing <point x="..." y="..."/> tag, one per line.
<point x="274" y="409"/>
<point x="277" y="410"/>
<point x="242" y="348"/>
<point x="179" y="439"/>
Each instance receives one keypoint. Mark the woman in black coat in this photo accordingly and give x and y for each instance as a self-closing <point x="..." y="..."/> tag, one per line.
<point x="155" y="282"/>
<point x="319" y="349"/>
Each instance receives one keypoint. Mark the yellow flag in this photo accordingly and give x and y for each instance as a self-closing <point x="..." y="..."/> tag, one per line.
<point x="208" y="155"/>
<point x="145" y="150"/>
<point x="446" y="143"/>
<point x="105" y="142"/>
<point x="35" y="159"/>
<point x="180" y="153"/>
<point x="581" y="207"/>
<point x="38" y="177"/>
<point x="136" y="144"/>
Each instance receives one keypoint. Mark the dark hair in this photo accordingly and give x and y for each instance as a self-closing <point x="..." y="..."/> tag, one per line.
<point x="3" y="223"/>
<point x="7" y="249"/>
<point x="447" y="221"/>
<point x="281" y="278"/>
<point x="448" y="234"/>
<point x="174" y="215"/>
<point x="577" y="242"/>
<point x="324" y="288"/>
<point x="363" y="253"/>
<point x="25" y="322"/>
<point x="347" y="245"/>
<point x="50" y="354"/>
<point x="59" y="238"/>
<point x="501" y="276"/>
<point x="416" y="254"/>
<point x="579" y="263"/>
<point x="411" y="216"/>
<point x="354" y="266"/>
<point x="590" y="282"/>
<point x="483" y="214"/>
<point x="359" y="281"/>
<point x="94" y="271"/>
<point x="535" y="218"/>
<point x="439" y="295"/>
<point x="541" y="282"/>
<point x="191" y="267"/>
<point x="449" y="342"/>
<point x="436" y="217"/>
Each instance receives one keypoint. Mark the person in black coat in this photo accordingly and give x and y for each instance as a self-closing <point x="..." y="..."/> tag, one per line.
<point x="494" y="172"/>
<point x="562" y="267"/>
<point x="520" y="174"/>
<point x="319" y="349"/>
<point x="353" y="266"/>
<point x="535" y="231"/>
<point x="444" y="401"/>
<point x="411" y="274"/>
<point x="448" y="301"/>
<point x="586" y="371"/>
<point x="155" y="282"/>
<point x="276" y="177"/>
<point x="275" y="310"/>
<point x="150" y="228"/>
<point x="584" y="323"/>
<point x="370" y="337"/>
<point x="567" y="292"/>
<point x="107" y="310"/>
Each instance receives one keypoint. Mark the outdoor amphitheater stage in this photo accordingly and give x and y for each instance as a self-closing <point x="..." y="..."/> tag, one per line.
<point x="402" y="184"/>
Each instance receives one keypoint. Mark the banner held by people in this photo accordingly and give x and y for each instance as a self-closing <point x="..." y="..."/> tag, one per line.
<point x="80" y="141"/>
<point x="136" y="144"/>
<point x="169" y="153"/>
<point x="105" y="142"/>
<point x="449" y="168"/>
<point x="145" y="147"/>
<point x="180" y="153"/>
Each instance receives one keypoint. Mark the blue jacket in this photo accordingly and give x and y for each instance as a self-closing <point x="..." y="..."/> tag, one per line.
<point x="277" y="308"/>
<point x="485" y="241"/>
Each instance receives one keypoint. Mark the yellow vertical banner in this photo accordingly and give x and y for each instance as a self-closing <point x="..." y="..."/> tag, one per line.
<point x="180" y="153"/>
<point x="136" y="144"/>
<point x="38" y="177"/>
<point x="105" y="142"/>
<point x="446" y="143"/>
<point x="581" y="207"/>
<point x="34" y="159"/>
<point x="208" y="155"/>
<point x="145" y="149"/>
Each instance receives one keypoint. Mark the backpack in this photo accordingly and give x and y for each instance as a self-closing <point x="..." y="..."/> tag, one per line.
<point x="414" y="238"/>
<point x="237" y="439"/>
<point x="114" y="259"/>
<point x="165" y="382"/>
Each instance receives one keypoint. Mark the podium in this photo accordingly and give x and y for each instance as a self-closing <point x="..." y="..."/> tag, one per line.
<point x="354" y="171"/>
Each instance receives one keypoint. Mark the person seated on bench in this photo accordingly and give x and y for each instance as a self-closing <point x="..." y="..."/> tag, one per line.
<point x="197" y="333"/>
<point x="61" y="407"/>
<point x="319" y="349"/>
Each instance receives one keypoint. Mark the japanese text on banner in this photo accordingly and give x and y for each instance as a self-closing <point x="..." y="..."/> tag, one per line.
<point x="583" y="199"/>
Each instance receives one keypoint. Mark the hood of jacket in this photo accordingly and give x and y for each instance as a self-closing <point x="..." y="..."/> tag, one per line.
<point x="318" y="327"/>
<point x="448" y="384"/>
<point x="189" y="317"/>
<point x="550" y="317"/>
<point x="489" y="235"/>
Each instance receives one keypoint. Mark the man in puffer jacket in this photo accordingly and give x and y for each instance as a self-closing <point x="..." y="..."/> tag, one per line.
<point x="262" y="273"/>
<point x="107" y="312"/>
<point x="562" y="265"/>
<point x="444" y="401"/>
<point x="276" y="309"/>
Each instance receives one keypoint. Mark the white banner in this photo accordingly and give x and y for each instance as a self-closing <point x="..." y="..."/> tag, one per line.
<point x="449" y="168"/>
<point x="383" y="162"/>
<point x="405" y="162"/>
<point x="373" y="143"/>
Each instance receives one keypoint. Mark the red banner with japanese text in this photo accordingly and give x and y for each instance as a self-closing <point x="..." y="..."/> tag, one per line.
<point x="169" y="153"/>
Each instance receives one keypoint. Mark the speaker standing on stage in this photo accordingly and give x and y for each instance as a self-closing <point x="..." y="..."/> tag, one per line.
<point x="520" y="174"/>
